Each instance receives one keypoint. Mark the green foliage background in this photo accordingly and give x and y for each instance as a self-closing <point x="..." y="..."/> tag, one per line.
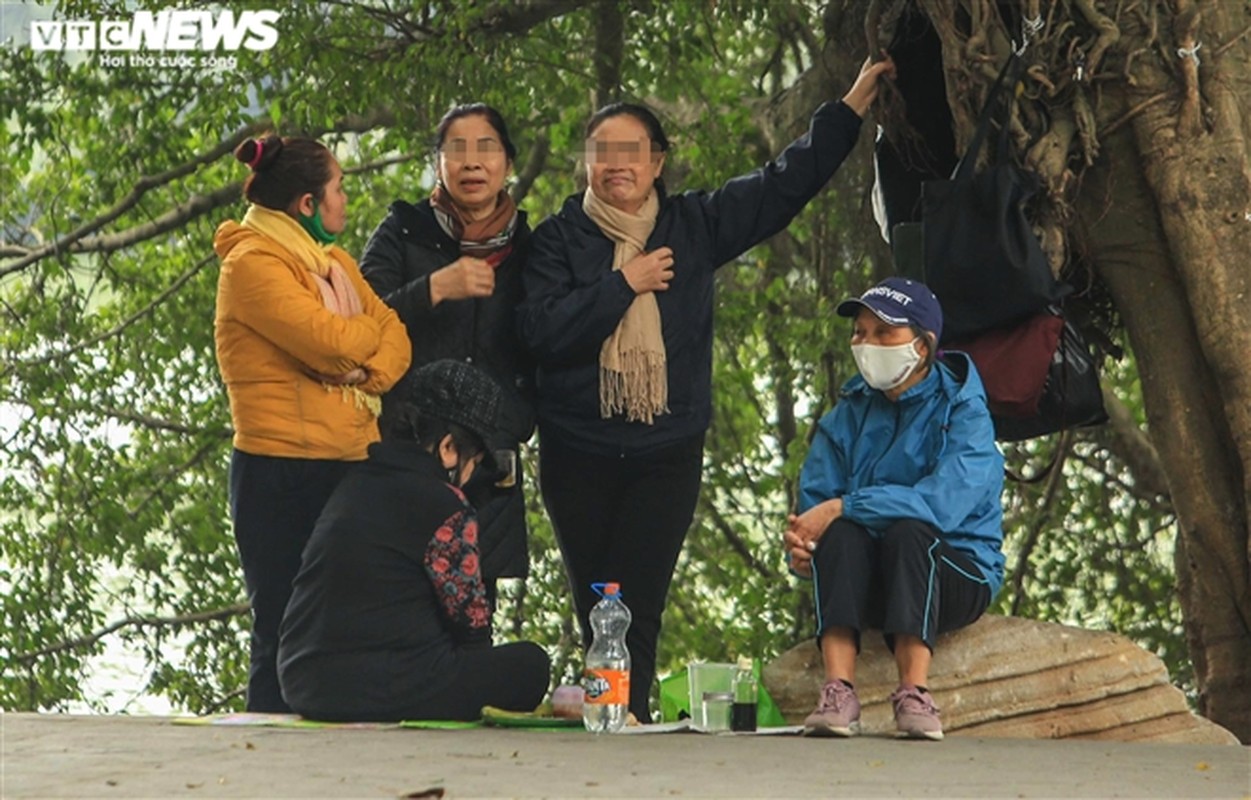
<point x="116" y="434"/>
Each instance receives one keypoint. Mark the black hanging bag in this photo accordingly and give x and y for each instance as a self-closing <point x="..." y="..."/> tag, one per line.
<point x="981" y="257"/>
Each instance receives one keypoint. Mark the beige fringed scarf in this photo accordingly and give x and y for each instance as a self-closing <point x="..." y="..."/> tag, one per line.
<point x="632" y="374"/>
<point x="337" y="292"/>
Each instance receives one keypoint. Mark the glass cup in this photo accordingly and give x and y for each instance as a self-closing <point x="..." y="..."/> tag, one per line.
<point x="710" y="679"/>
<point x="715" y="710"/>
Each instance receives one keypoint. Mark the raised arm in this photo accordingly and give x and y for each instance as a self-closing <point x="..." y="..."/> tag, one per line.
<point x="752" y="207"/>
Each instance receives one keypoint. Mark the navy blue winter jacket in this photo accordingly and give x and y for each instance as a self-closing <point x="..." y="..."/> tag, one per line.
<point x="929" y="456"/>
<point x="574" y="300"/>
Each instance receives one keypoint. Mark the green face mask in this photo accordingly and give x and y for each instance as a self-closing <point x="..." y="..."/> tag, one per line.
<point x="315" y="228"/>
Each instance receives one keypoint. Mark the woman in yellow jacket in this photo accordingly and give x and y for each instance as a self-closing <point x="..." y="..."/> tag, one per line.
<point x="306" y="349"/>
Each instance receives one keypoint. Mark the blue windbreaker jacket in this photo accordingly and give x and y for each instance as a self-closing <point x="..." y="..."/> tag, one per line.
<point x="930" y="456"/>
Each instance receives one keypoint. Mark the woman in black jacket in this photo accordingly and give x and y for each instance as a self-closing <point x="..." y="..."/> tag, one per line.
<point x="618" y="313"/>
<point x="450" y="266"/>
<point x="389" y="618"/>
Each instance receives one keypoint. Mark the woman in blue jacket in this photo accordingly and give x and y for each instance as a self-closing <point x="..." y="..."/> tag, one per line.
<point x="618" y="314"/>
<point x="900" y="522"/>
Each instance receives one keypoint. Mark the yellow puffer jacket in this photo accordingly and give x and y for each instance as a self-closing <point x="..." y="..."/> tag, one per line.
<point x="273" y="330"/>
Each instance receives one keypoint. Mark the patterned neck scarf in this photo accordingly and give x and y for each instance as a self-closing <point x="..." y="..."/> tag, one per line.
<point x="478" y="238"/>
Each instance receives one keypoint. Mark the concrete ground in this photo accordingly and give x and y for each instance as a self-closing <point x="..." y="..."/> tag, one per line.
<point x="131" y="757"/>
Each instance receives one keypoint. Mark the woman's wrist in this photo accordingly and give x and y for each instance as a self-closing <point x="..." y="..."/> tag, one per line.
<point x="435" y="286"/>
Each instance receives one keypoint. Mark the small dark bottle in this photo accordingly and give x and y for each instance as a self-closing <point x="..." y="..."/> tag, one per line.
<point x="743" y="717"/>
<point x="743" y="712"/>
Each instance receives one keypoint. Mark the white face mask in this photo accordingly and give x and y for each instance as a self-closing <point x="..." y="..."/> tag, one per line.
<point x="885" y="367"/>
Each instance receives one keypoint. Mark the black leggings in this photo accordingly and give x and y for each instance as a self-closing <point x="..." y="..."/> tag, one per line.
<point x="623" y="520"/>
<point x="274" y="503"/>
<point x="905" y="581"/>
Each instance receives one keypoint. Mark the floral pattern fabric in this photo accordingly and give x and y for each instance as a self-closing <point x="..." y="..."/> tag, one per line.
<point x="452" y="562"/>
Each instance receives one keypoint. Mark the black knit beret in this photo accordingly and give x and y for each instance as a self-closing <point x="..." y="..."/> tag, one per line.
<point x="454" y="391"/>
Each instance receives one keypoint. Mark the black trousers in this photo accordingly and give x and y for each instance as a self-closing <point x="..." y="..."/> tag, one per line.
<point x="274" y="503"/>
<point x="907" y="581"/>
<point x="392" y="686"/>
<point x="623" y="520"/>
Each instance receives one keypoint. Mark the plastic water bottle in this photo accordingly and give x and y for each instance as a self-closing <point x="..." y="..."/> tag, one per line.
<point x="607" y="675"/>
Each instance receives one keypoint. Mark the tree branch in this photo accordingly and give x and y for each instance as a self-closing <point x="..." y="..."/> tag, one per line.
<point x="380" y="164"/>
<point x="609" y="50"/>
<point x="535" y="162"/>
<point x="519" y="17"/>
<point x="157" y="424"/>
<point x="737" y="544"/>
<point x="503" y="19"/>
<point x="121" y="326"/>
<point x="1185" y="27"/>
<point x="171" y="475"/>
<point x="76" y="241"/>
<point x="1131" y="445"/>
<point x="141" y="187"/>
<point x="197" y="206"/>
<point x="132" y="622"/>
<point x="217" y="705"/>
<point x="1054" y="481"/>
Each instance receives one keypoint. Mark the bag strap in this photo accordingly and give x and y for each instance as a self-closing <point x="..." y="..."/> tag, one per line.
<point x="964" y="170"/>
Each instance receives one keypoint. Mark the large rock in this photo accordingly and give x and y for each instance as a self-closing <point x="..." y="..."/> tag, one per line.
<point x="1019" y="678"/>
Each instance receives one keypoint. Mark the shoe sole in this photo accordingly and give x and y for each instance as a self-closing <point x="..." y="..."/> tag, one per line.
<point x="933" y="736"/>
<point x="829" y="731"/>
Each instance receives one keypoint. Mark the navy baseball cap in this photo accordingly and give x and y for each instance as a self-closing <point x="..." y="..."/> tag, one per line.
<point x="899" y="301"/>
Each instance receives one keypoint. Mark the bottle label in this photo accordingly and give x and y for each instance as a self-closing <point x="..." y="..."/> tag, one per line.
<point x="608" y="687"/>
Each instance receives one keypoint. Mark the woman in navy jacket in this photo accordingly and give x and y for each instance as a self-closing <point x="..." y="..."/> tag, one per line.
<point x="618" y="314"/>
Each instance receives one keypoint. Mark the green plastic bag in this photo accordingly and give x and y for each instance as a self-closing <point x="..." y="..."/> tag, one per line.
<point x="675" y="699"/>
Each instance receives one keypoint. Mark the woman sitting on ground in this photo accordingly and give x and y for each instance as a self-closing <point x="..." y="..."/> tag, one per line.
<point x="389" y="617"/>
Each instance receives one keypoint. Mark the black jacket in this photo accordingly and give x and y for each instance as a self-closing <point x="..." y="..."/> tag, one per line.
<point x="397" y="262"/>
<point x="574" y="301"/>
<point x="373" y="622"/>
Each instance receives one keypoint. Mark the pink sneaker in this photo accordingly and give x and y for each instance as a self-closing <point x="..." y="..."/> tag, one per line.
<point x="837" y="712"/>
<point x="916" y="716"/>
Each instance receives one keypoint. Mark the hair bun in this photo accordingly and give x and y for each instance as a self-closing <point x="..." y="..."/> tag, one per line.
<point x="258" y="153"/>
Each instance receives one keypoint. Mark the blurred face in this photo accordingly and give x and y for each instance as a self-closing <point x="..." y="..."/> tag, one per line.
<point x="473" y="164"/>
<point x="621" y="167"/>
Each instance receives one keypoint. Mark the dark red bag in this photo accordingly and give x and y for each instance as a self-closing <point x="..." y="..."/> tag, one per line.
<point x="1013" y="362"/>
<point x="1040" y="377"/>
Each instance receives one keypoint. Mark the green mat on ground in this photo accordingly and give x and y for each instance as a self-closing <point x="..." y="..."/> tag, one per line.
<point x="440" y="724"/>
<point x="498" y="717"/>
<point x="246" y="719"/>
<point x="491" y="716"/>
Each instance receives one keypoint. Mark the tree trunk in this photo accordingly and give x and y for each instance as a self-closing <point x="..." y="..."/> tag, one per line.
<point x="1193" y="150"/>
<point x="1163" y="214"/>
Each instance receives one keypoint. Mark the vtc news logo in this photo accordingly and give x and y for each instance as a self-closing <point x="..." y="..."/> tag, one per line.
<point x="163" y="30"/>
